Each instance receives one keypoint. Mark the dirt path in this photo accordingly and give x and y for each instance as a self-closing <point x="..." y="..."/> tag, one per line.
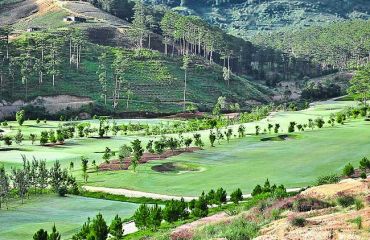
<point x="133" y="193"/>
<point x="186" y="231"/>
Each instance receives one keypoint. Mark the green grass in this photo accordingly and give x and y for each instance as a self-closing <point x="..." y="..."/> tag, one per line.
<point x="68" y="214"/>
<point x="246" y="162"/>
<point x="295" y="162"/>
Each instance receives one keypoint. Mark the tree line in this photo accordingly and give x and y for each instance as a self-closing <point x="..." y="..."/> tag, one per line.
<point x="35" y="178"/>
<point x="38" y="56"/>
<point x="342" y="45"/>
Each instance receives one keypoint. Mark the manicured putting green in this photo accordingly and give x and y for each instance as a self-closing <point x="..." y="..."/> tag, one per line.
<point x="68" y="214"/>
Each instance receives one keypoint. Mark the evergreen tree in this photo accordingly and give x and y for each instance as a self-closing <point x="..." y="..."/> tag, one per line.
<point x="155" y="217"/>
<point x="56" y="176"/>
<point x="201" y="207"/>
<point x="141" y="217"/>
<point x="54" y="235"/>
<point x="40" y="235"/>
<point x="4" y="185"/>
<point x="18" y="137"/>
<point x="43" y="174"/>
<point x="137" y="153"/>
<point x="115" y="228"/>
<point x="20" y="117"/>
<point x="84" y="167"/>
<point x="139" y="29"/>
<point x="98" y="229"/>
<point x="236" y="196"/>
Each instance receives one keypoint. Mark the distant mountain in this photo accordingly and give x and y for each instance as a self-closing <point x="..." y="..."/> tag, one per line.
<point x="245" y="18"/>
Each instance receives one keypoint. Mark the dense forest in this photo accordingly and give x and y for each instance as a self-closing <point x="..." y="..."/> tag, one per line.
<point x="342" y="45"/>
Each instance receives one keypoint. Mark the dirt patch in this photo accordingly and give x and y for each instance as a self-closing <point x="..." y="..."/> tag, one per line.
<point x="175" y="167"/>
<point x="186" y="115"/>
<point x="115" y="165"/>
<point x="347" y="186"/>
<point x="186" y="231"/>
<point x="282" y="137"/>
<point x="104" y="137"/>
<point x="10" y="149"/>
<point x="53" y="144"/>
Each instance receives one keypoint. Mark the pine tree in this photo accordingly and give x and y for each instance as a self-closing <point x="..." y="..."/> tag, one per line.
<point x="115" y="227"/>
<point x="103" y="75"/>
<point x="155" y="217"/>
<point x="40" y="235"/>
<point x="98" y="228"/>
<point x="84" y="166"/>
<point x="139" y="29"/>
<point x="4" y="185"/>
<point x="54" y="235"/>
<point x="141" y="217"/>
<point x="137" y="153"/>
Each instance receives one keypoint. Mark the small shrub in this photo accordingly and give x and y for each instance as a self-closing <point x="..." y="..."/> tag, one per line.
<point x="62" y="191"/>
<point x="233" y="211"/>
<point x="275" y="213"/>
<point x="236" y="196"/>
<point x="297" y="221"/>
<point x="238" y="229"/>
<point x="345" y="200"/>
<point x="348" y="170"/>
<point x="357" y="221"/>
<point x="363" y="175"/>
<point x="359" y="205"/>
<point x="328" y="179"/>
<point x="309" y="204"/>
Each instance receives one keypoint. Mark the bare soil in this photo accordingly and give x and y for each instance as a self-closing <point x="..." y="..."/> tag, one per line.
<point x="172" y="167"/>
<point x="323" y="224"/>
<point x="115" y="165"/>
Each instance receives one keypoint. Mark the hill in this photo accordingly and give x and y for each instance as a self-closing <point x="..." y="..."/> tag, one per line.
<point x="316" y="213"/>
<point x="221" y="64"/>
<point x="155" y="80"/>
<point x="245" y="18"/>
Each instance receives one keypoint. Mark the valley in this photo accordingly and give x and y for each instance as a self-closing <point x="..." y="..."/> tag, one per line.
<point x="184" y="119"/>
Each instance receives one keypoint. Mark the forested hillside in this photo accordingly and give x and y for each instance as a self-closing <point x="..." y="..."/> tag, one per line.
<point x="245" y="18"/>
<point x="342" y="45"/>
<point x="150" y="58"/>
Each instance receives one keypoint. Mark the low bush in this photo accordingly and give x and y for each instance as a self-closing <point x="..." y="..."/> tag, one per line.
<point x="348" y="170"/>
<point x="62" y="191"/>
<point x="297" y="221"/>
<point x="309" y="204"/>
<point x="359" y="204"/>
<point x="275" y="213"/>
<point x="328" y="179"/>
<point x="357" y="221"/>
<point x="238" y="229"/>
<point x="345" y="200"/>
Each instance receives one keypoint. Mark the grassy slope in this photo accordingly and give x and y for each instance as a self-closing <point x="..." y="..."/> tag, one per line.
<point x="68" y="214"/>
<point x="241" y="163"/>
<point x="157" y="83"/>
